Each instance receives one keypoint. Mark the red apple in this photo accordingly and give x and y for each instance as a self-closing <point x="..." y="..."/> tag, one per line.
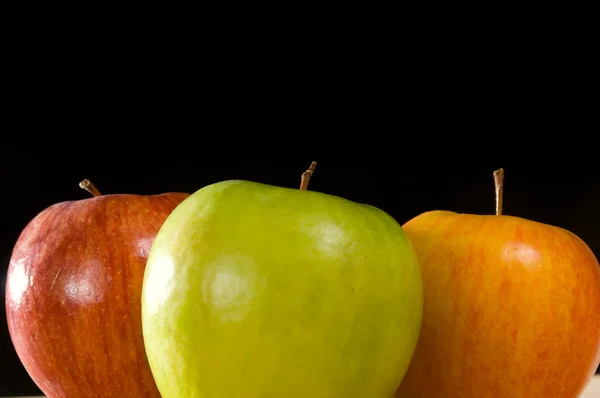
<point x="511" y="308"/>
<point x="73" y="294"/>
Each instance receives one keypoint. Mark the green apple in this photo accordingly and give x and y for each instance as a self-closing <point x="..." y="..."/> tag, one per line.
<point x="257" y="291"/>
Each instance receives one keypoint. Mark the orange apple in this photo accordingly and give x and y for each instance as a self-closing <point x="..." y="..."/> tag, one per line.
<point x="511" y="308"/>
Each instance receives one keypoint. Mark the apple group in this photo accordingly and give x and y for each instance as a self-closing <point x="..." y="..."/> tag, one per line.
<point x="248" y="290"/>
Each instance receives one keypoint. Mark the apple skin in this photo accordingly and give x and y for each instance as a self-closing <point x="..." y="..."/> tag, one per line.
<point x="73" y="295"/>
<point x="258" y="291"/>
<point x="511" y="309"/>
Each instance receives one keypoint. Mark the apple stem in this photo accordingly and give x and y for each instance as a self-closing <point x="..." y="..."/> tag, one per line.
<point x="90" y="187"/>
<point x="499" y="183"/>
<point x="306" y="176"/>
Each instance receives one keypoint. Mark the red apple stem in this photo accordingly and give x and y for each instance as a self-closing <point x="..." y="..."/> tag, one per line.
<point x="306" y="176"/>
<point x="499" y="183"/>
<point x="90" y="187"/>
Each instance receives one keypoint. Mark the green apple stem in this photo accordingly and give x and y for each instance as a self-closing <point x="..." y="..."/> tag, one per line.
<point x="306" y="176"/>
<point x="499" y="183"/>
<point x="90" y="187"/>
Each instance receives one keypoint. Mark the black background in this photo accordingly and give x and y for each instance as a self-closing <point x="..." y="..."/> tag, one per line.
<point x="405" y="159"/>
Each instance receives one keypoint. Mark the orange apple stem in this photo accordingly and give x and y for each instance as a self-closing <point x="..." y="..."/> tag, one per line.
<point x="306" y="176"/>
<point x="90" y="187"/>
<point x="499" y="183"/>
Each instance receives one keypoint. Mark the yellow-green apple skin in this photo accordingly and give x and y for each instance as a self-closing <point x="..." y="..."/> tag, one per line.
<point x="257" y="291"/>
<point x="511" y="309"/>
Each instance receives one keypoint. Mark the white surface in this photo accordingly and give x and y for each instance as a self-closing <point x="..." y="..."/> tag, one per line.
<point x="593" y="390"/>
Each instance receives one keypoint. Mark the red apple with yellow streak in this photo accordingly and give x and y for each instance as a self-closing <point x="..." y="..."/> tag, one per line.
<point x="73" y="294"/>
<point x="511" y="308"/>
